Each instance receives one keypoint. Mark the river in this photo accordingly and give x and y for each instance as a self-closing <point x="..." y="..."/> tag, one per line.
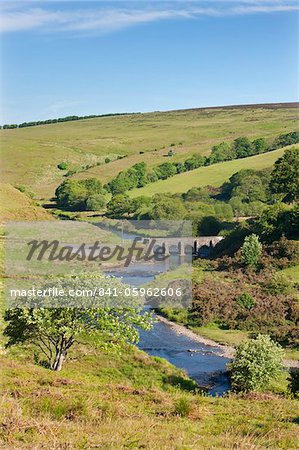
<point x="201" y="362"/>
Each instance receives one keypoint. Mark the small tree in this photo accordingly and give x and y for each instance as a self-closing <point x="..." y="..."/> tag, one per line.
<point x="251" y="250"/>
<point x="257" y="362"/>
<point x="54" y="330"/>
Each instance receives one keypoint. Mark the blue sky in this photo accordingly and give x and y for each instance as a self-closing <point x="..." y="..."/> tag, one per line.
<point x="61" y="58"/>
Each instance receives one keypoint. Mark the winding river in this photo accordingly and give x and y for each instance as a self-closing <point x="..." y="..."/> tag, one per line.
<point x="201" y="362"/>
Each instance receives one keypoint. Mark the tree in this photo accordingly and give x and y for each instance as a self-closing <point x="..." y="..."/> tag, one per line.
<point x="285" y="176"/>
<point x="140" y="206"/>
<point x="257" y="362"/>
<point x="167" y="208"/>
<point x="222" y="152"/>
<point x="242" y="147"/>
<point x="260" y="145"/>
<point x="251" y="250"/>
<point x="180" y="167"/>
<point x="73" y="194"/>
<point x="197" y="194"/>
<point x="278" y="220"/>
<point x="54" y="330"/>
<point x="123" y="182"/>
<point x="209" y="226"/>
<point x="286" y="139"/>
<point x="129" y="179"/>
<point x="119" y="206"/>
<point x="194" y="162"/>
<point x="166" y="170"/>
<point x="250" y="188"/>
<point x="95" y="202"/>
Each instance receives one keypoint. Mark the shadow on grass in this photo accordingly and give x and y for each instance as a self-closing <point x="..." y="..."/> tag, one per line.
<point x="183" y="384"/>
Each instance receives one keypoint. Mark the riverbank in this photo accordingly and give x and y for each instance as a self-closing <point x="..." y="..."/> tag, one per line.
<point x="225" y="351"/>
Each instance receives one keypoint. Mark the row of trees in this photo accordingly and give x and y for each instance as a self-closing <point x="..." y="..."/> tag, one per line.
<point x="211" y="210"/>
<point x="60" y="119"/>
<point x="247" y="192"/>
<point x="139" y="175"/>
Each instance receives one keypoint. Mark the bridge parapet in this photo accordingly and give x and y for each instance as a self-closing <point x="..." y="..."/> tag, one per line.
<point x="183" y="245"/>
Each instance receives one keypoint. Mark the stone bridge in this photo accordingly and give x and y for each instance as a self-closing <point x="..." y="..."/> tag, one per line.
<point x="200" y="246"/>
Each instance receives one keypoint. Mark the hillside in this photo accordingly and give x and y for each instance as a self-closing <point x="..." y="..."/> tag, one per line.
<point x="130" y="400"/>
<point x="15" y="205"/>
<point x="31" y="155"/>
<point x="213" y="175"/>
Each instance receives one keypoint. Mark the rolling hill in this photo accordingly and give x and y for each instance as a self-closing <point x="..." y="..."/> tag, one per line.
<point x="30" y="155"/>
<point x="17" y="206"/>
<point x="213" y="175"/>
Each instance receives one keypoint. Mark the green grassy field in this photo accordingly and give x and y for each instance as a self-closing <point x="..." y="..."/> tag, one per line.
<point x="214" y="175"/>
<point x="30" y="155"/>
<point x="128" y="400"/>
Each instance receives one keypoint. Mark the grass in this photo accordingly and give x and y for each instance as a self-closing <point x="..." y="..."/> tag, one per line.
<point x="213" y="175"/>
<point x="227" y="337"/>
<point x="30" y="155"/>
<point x="17" y="206"/>
<point x="130" y="400"/>
<point x="293" y="273"/>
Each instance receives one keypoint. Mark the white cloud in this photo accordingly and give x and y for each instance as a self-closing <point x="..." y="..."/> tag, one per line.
<point x="26" y="16"/>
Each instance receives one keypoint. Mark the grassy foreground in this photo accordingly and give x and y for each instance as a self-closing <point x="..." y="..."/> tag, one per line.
<point x="130" y="400"/>
<point x="213" y="175"/>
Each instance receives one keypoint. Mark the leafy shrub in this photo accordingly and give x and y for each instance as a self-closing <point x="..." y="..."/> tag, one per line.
<point x="277" y="284"/>
<point x="251" y="250"/>
<point x="25" y="190"/>
<point x="284" y="249"/>
<point x="245" y="300"/>
<point x="257" y="362"/>
<point x="287" y="335"/>
<point x="62" y="166"/>
<point x="107" y="160"/>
